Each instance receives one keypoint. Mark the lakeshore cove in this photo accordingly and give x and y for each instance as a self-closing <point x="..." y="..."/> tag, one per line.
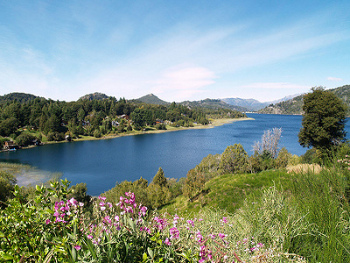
<point x="102" y="163"/>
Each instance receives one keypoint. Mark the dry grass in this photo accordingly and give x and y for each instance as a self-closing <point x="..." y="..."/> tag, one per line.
<point x="304" y="168"/>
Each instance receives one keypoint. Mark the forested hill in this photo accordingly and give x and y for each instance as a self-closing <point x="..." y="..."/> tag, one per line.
<point x="212" y="104"/>
<point x="26" y="118"/>
<point x="152" y="99"/>
<point x="94" y="96"/>
<point x="17" y="96"/>
<point x="294" y="105"/>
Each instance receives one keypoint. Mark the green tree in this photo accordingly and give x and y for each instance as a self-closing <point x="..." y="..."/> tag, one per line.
<point x="8" y="126"/>
<point x="7" y="182"/>
<point x="159" y="178"/>
<point x="194" y="182"/>
<point x="234" y="159"/>
<point x="323" y="120"/>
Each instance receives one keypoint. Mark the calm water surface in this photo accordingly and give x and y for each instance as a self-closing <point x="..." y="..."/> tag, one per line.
<point x="100" y="164"/>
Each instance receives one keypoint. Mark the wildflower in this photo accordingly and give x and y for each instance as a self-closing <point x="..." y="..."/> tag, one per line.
<point x="89" y="236"/>
<point x="224" y="220"/>
<point x="174" y="233"/>
<point x="167" y="242"/>
<point x="77" y="247"/>
<point x="212" y="236"/>
<point x="199" y="237"/>
<point x="190" y="222"/>
<point x="102" y="198"/>
<point x="143" y="210"/>
<point x="48" y="221"/>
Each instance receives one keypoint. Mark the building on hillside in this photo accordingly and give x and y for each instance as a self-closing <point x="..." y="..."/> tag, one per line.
<point x="10" y="145"/>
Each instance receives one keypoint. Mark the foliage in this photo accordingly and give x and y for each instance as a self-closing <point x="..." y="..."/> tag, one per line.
<point x="7" y="183"/>
<point x="95" y="115"/>
<point x="269" y="142"/>
<point x="194" y="183"/>
<point x="234" y="160"/>
<point x="54" y="228"/>
<point x="25" y="139"/>
<point x="323" y="121"/>
<point x="159" y="178"/>
<point x="295" y="105"/>
<point x="283" y="158"/>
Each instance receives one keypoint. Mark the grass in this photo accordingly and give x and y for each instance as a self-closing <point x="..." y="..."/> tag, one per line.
<point x="301" y="213"/>
<point x="228" y="192"/>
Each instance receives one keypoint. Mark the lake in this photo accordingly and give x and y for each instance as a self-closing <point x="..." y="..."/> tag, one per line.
<point x="102" y="163"/>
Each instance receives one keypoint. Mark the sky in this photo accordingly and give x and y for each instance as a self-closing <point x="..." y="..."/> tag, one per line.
<point x="176" y="49"/>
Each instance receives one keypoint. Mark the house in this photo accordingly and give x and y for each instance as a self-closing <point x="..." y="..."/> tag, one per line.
<point x="10" y="145"/>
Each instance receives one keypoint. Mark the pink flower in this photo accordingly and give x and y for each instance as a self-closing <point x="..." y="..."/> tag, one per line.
<point x="222" y="236"/>
<point x="102" y="198"/>
<point x="190" y="222"/>
<point x="167" y="242"/>
<point x="48" y="221"/>
<point x="77" y="247"/>
<point x="224" y="220"/>
<point x="174" y="233"/>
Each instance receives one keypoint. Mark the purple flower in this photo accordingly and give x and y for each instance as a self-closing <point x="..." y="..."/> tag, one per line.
<point x="48" y="221"/>
<point x="167" y="242"/>
<point x="174" y="233"/>
<point x="102" y="198"/>
<point x="190" y="222"/>
<point x="77" y="247"/>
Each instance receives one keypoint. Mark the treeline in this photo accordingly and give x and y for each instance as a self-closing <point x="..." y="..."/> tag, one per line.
<point x="27" y="120"/>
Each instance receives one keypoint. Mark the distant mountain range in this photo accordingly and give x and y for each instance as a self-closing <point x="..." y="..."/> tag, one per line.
<point x="294" y="105"/>
<point x="207" y="103"/>
<point x="287" y="105"/>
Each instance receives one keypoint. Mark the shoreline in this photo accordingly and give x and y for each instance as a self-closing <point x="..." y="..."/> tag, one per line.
<point x="214" y="123"/>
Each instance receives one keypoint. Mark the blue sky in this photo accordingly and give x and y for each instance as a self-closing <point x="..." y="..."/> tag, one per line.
<point x="177" y="50"/>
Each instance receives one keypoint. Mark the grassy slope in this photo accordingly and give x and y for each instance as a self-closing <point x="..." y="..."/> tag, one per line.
<point x="228" y="192"/>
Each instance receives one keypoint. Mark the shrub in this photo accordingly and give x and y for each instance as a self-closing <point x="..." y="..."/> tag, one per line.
<point x="234" y="160"/>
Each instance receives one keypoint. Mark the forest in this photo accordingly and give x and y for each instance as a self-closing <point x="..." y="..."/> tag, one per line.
<point x="27" y="119"/>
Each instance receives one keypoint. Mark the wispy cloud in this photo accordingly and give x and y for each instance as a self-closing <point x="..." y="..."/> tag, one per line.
<point x="334" y="79"/>
<point x="183" y="82"/>
<point x="278" y="86"/>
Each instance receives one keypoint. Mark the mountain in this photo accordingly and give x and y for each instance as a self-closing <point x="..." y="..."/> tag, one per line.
<point x="212" y="104"/>
<point x="249" y="104"/>
<point x="152" y="99"/>
<point x="294" y="105"/>
<point x="94" y="96"/>
<point x="20" y="97"/>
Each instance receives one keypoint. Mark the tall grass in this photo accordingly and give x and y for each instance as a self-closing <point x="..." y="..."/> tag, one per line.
<point x="322" y="198"/>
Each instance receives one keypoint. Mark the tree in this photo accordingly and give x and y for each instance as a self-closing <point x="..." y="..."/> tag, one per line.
<point x="323" y="120"/>
<point x="234" y="159"/>
<point x="269" y="143"/>
<point x="159" y="178"/>
<point x="8" y="126"/>
<point x="7" y="182"/>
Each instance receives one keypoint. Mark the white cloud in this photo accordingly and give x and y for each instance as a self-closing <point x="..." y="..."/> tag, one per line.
<point x="334" y="79"/>
<point x="183" y="82"/>
<point x="274" y="85"/>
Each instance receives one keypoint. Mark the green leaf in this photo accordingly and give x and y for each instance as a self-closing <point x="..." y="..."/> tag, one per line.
<point x="150" y="252"/>
<point x="144" y="257"/>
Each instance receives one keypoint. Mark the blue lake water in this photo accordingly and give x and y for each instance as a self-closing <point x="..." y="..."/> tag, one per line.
<point x="102" y="163"/>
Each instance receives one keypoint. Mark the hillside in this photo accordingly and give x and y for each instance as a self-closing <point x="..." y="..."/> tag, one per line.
<point x="152" y="99"/>
<point x="294" y="106"/>
<point x="94" y="96"/>
<point x="212" y="104"/>
<point x="249" y="104"/>
<point x="20" y="97"/>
